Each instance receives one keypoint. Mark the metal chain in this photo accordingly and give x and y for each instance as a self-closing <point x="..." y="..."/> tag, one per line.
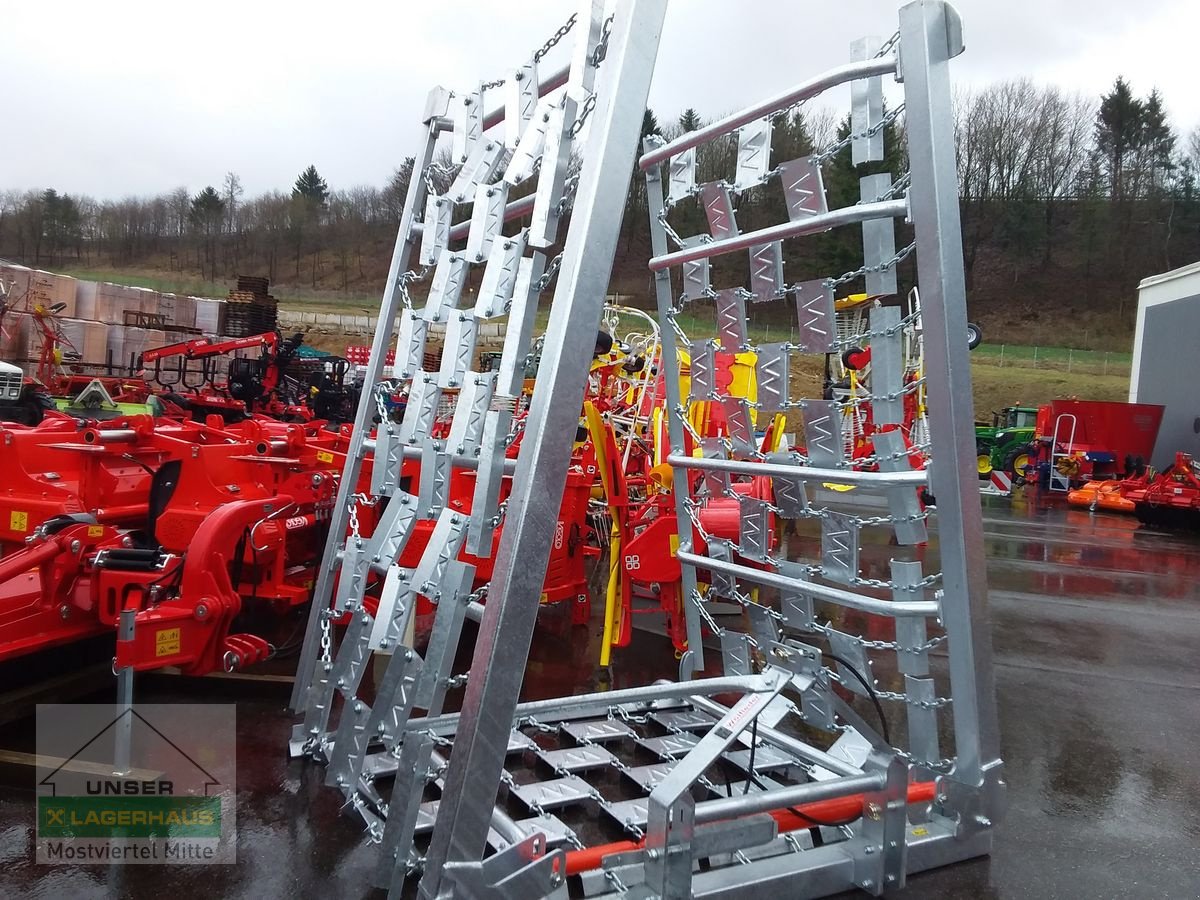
<point x="552" y="41"/>
<point x="410" y="277"/>
<point x="672" y="234"/>
<point x="586" y="110"/>
<point x="888" y="45"/>
<point x="935" y="703"/>
<point x="942" y="766"/>
<point x="601" y="50"/>
<point x="898" y="258"/>
<point x="706" y="615"/>
<point x="544" y="282"/>
<point x="899" y="186"/>
<point x="838" y="146"/>
<point x="447" y="172"/>
<point x="618" y="885"/>
<point x="326" y="637"/>
<point x="488" y="85"/>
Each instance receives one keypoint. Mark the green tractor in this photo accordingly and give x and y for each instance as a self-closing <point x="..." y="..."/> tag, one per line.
<point x="1006" y="444"/>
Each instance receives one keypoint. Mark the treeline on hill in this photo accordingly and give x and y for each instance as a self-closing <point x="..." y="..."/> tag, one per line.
<point x="1067" y="202"/>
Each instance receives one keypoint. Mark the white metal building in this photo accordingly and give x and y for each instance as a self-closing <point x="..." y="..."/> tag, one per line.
<point x="1166" y="348"/>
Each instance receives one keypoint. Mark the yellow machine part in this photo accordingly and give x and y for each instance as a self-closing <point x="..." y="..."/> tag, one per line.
<point x="743" y="383"/>
<point x="612" y="595"/>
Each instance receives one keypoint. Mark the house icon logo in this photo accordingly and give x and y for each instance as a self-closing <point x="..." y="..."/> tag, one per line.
<point x="147" y="784"/>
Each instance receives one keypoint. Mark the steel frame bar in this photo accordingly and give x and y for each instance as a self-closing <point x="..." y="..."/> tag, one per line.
<point x="460" y="832"/>
<point x="785" y="742"/>
<point x="931" y="35"/>
<point x="795" y="795"/>
<point x="546" y="85"/>
<point x="819" y="591"/>
<point x="850" y="215"/>
<point x="675" y="430"/>
<point x="806" y="90"/>
<point x="513" y="210"/>
<point x="802" y="473"/>
<point x="582" y="705"/>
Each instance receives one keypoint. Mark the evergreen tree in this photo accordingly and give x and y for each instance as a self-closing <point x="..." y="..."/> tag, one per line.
<point x="649" y="123"/>
<point x="689" y="120"/>
<point x="1118" y="131"/>
<point x="206" y="217"/>
<point x="311" y="186"/>
<point x="1157" y="142"/>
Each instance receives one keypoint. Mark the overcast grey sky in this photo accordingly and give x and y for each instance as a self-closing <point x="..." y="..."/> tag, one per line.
<point x="141" y="96"/>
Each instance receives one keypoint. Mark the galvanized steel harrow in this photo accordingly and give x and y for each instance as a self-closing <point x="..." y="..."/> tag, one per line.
<point x="769" y="774"/>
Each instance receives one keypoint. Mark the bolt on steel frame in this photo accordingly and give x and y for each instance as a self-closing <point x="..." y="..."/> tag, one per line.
<point x="901" y="807"/>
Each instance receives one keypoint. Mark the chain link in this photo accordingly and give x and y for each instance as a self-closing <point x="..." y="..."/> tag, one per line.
<point x="942" y="766"/>
<point x="899" y="186"/>
<point x="444" y="172"/>
<point x="552" y="41"/>
<point x="326" y="637"/>
<point x="407" y="278"/>
<point x="544" y="282"/>
<point x="601" y="50"/>
<point x="671" y="233"/>
<point x="706" y="615"/>
<point x="586" y="110"/>
<point x="838" y="146"/>
<point x="898" y="258"/>
<point x="488" y="85"/>
<point x="888" y="45"/>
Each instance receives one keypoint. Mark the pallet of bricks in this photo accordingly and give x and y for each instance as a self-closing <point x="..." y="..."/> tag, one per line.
<point x="250" y="309"/>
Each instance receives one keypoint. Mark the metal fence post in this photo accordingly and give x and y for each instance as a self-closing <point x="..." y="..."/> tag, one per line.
<point x="123" y="746"/>
<point x="1070" y="358"/>
<point x="1002" y="356"/>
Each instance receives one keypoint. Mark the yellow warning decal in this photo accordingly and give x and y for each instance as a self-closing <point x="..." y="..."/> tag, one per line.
<point x="18" y="521"/>
<point x="920" y="831"/>
<point x="95" y="531"/>
<point x="324" y="456"/>
<point x="166" y="642"/>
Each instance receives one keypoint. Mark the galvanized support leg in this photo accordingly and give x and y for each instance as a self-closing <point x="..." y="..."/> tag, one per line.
<point x="930" y="36"/>
<point x="670" y="362"/>
<point x="461" y="830"/>
<point x="123" y="740"/>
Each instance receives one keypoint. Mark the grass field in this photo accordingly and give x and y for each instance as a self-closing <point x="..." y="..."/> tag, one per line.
<point x="1002" y="374"/>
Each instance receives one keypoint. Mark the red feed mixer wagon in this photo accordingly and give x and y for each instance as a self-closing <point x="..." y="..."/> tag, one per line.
<point x="1093" y="440"/>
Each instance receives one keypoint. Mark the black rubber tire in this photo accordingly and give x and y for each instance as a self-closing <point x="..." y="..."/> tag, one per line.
<point x="974" y="335"/>
<point x="1029" y="450"/>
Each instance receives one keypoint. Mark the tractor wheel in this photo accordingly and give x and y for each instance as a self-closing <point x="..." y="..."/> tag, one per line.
<point x="983" y="460"/>
<point x="1019" y="461"/>
<point x="974" y="335"/>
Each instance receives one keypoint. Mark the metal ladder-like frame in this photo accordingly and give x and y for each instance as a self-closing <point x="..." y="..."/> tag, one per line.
<point x="1061" y="481"/>
<point x="802" y="615"/>
<point x="534" y="136"/>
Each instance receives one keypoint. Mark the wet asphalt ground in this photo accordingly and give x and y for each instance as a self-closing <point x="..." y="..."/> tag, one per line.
<point x="1096" y="627"/>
